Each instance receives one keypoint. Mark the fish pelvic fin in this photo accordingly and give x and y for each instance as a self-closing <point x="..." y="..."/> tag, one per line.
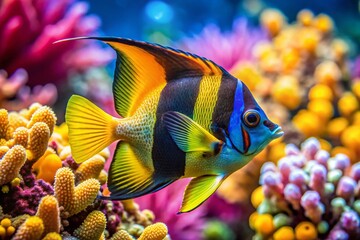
<point x="199" y="190"/>
<point x="90" y="128"/>
<point x="189" y="136"/>
<point x="129" y="177"/>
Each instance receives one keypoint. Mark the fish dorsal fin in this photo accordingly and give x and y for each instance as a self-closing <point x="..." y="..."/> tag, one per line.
<point x="189" y="136"/>
<point x="142" y="67"/>
<point x="198" y="190"/>
<point x="129" y="178"/>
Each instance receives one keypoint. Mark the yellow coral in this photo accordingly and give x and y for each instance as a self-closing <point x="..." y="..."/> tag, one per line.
<point x="356" y="88"/>
<point x="3" y="150"/>
<point x="286" y="91"/>
<point x="328" y="73"/>
<point x="74" y="199"/>
<point x="264" y="224"/>
<point x="350" y="137"/>
<point x="157" y="231"/>
<point x="284" y="233"/>
<point x="16" y="120"/>
<point x="272" y="20"/>
<point x="305" y="17"/>
<point x="31" y="229"/>
<point x="121" y="235"/>
<point x="339" y="49"/>
<point x="323" y="23"/>
<point x="46" y="167"/>
<point x="305" y="231"/>
<point x="257" y="196"/>
<point x="27" y="113"/>
<point x="322" y="108"/>
<point x="91" y="168"/>
<point x="48" y="211"/>
<point x="92" y="227"/>
<point x="308" y="123"/>
<point x="11" y="163"/>
<point x="103" y="176"/>
<point x="52" y="236"/>
<point x="4" y="122"/>
<point x="21" y="136"/>
<point x="290" y="59"/>
<point x="336" y="126"/>
<point x="321" y="91"/>
<point x="38" y="140"/>
<point x="308" y="39"/>
<point x="348" y="104"/>
<point x="43" y="114"/>
<point x="248" y="74"/>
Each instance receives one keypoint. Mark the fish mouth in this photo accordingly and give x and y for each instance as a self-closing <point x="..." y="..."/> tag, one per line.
<point x="277" y="132"/>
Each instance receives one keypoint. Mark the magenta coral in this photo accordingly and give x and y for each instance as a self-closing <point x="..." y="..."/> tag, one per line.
<point x="36" y="25"/>
<point x="226" y="49"/>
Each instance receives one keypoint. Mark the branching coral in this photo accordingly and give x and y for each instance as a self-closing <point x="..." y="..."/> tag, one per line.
<point x="91" y="168"/>
<point x="74" y="199"/>
<point x="157" y="231"/>
<point x="48" y="211"/>
<point x="11" y="163"/>
<point x="92" y="227"/>
<point x="31" y="229"/>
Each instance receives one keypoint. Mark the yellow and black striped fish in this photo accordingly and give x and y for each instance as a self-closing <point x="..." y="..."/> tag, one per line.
<point x="183" y="116"/>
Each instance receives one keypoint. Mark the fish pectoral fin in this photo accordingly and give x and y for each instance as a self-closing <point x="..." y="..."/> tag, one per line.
<point x="189" y="136"/>
<point x="129" y="178"/>
<point x="198" y="190"/>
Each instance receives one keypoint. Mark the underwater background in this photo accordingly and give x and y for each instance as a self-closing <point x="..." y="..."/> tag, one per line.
<point x="300" y="59"/>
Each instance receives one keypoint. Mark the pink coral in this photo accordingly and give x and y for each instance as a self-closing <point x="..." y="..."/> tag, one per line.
<point x="28" y="29"/>
<point x="183" y="226"/>
<point x="226" y="49"/>
<point x="15" y="95"/>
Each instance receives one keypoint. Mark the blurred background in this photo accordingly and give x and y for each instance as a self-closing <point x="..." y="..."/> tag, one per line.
<point x="300" y="59"/>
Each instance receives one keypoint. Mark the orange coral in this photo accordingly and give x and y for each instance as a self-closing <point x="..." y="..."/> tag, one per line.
<point x="48" y="211"/>
<point x="31" y="229"/>
<point x="52" y="236"/>
<point x="11" y="163"/>
<point x="4" y="122"/>
<point x="92" y="227"/>
<point x="46" y="167"/>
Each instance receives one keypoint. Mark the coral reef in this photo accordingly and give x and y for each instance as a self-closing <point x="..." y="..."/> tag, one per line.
<point x="35" y="26"/>
<point x="226" y="49"/>
<point x="307" y="195"/>
<point x="46" y="195"/>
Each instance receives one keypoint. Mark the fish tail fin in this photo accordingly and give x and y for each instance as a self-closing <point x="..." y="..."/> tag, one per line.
<point x="90" y="128"/>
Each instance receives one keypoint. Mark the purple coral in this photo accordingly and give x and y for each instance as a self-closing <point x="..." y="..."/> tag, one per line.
<point x="15" y="95"/>
<point x="226" y="49"/>
<point x="36" y="25"/>
<point x="318" y="189"/>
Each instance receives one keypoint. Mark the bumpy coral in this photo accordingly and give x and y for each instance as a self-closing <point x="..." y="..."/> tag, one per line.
<point x="91" y="168"/>
<point x="92" y="227"/>
<point x="48" y="211"/>
<point x="31" y="229"/>
<point x="157" y="231"/>
<point x="11" y="163"/>
<point x="52" y="236"/>
<point x="39" y="135"/>
<point x="309" y="195"/>
<point x="74" y="199"/>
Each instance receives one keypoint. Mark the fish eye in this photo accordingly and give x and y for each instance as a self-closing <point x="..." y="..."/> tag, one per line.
<point x="251" y="118"/>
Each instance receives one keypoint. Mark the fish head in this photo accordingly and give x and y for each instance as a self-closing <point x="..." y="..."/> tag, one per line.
<point x="250" y="130"/>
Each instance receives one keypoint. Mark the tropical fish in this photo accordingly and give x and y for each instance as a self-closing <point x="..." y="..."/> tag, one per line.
<point x="183" y="116"/>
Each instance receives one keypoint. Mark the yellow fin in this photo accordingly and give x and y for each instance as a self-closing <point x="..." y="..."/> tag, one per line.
<point x="198" y="190"/>
<point x="189" y="135"/>
<point x="129" y="178"/>
<point x="90" y="128"/>
<point x="142" y="67"/>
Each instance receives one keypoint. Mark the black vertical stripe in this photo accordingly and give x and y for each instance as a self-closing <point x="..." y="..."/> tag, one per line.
<point x="249" y="100"/>
<point x="180" y="96"/>
<point x="225" y="103"/>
